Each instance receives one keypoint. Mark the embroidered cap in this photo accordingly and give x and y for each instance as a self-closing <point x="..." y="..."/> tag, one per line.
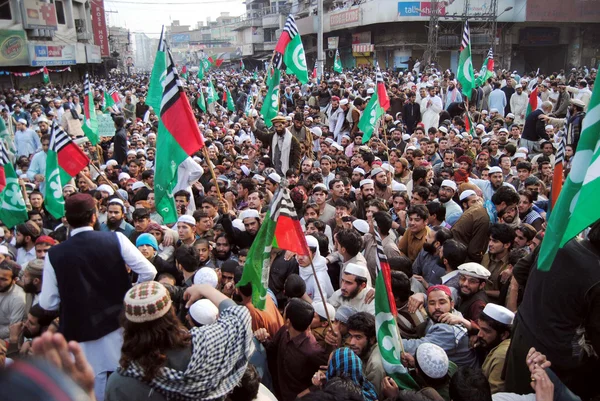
<point x="146" y="302"/>
<point x="432" y="360"/>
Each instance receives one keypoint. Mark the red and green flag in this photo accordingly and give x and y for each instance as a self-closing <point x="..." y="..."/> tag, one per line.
<point x="242" y="66"/>
<point x="533" y="101"/>
<point x="90" y="123"/>
<point x="280" y="229"/>
<point x="469" y="127"/>
<point x="46" y="75"/>
<point x="290" y="50"/>
<point x="215" y="62"/>
<point x="382" y="95"/>
<point x="228" y="100"/>
<point x="558" y="174"/>
<point x="178" y="137"/>
<point x="64" y="161"/>
<point x="487" y="69"/>
<point x="386" y="328"/>
<point x="184" y="72"/>
<point x="369" y="118"/>
<point x="12" y="204"/>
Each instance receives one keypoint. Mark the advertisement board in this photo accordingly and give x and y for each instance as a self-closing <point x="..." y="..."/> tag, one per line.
<point x="99" y="27"/>
<point x="344" y="17"/>
<point x="93" y="54"/>
<point x="45" y="55"/>
<point x="37" y="14"/>
<point x="13" y="48"/>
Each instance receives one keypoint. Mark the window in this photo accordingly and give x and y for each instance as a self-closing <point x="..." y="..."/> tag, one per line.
<point x="60" y="12"/>
<point x="5" y="10"/>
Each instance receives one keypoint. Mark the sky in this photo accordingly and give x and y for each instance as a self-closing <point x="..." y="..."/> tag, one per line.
<point x="149" y="15"/>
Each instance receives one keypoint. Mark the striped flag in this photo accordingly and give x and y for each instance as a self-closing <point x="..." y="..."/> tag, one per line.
<point x="289" y="50"/>
<point x="487" y="69"/>
<point x="533" y="101"/>
<point x="465" y="74"/>
<point x="388" y="337"/>
<point x="64" y="160"/>
<point x="178" y="137"/>
<point x="90" y="123"/>
<point x="280" y="229"/>
<point x="557" y="179"/>
<point x="382" y="95"/>
<point x="12" y="205"/>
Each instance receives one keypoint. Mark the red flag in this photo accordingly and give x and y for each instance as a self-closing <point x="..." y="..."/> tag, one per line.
<point x="215" y="63"/>
<point x="114" y="95"/>
<point x="382" y="95"/>
<point x="557" y="179"/>
<point x="533" y="101"/>
<point x="288" y="232"/>
<point x="70" y="156"/>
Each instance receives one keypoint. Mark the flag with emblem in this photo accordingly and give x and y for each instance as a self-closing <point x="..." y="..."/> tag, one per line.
<point x="314" y="71"/>
<point x="388" y="337"/>
<point x="465" y="74"/>
<point x="111" y="99"/>
<point x="64" y="160"/>
<point x="337" y="62"/>
<point x="46" y="76"/>
<point x="576" y="207"/>
<point x="201" y="70"/>
<point x="487" y="69"/>
<point x="155" y="89"/>
<point x="5" y="134"/>
<point x="201" y="101"/>
<point x="534" y="101"/>
<point x="369" y="118"/>
<point x="289" y="50"/>
<point x="211" y="93"/>
<point x="382" y="95"/>
<point x="249" y="104"/>
<point x="469" y="127"/>
<point x="13" y="210"/>
<point x="178" y="137"/>
<point x="90" y="122"/>
<point x="271" y="101"/>
<point x="280" y="229"/>
<point x="228" y="99"/>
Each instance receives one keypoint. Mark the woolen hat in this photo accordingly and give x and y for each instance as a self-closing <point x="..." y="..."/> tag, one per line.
<point x="79" y="203"/>
<point x="146" y="239"/>
<point x="146" y="302"/>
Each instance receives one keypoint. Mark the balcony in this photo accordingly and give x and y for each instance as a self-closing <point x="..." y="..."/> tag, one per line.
<point x="252" y="19"/>
<point x="270" y="20"/>
<point x="264" y="46"/>
<point x="82" y="36"/>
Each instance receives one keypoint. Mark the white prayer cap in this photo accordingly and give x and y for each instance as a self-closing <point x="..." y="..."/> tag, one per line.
<point x="549" y="126"/>
<point x="343" y="102"/>
<point x="131" y="152"/>
<point x="480" y="126"/>
<point x="245" y="170"/>
<point x="376" y="171"/>
<point x="366" y="182"/>
<point x="473" y="269"/>
<point x="187" y="219"/>
<point x="276" y="178"/>
<point x="411" y="147"/>
<point x="3" y="250"/>
<point x="204" y="312"/>
<point x="206" y="275"/>
<point x="117" y="201"/>
<point x="22" y="121"/>
<point x="106" y="188"/>
<point x="432" y="360"/>
<point x="357" y="270"/>
<point x="494" y="110"/>
<point x="319" y="308"/>
<point x="499" y="314"/>
<point x="249" y="214"/>
<point x="317" y="131"/>
<point x="398" y="186"/>
<point x="329" y="140"/>
<point x="312" y="242"/>
<point x="485" y="140"/>
<point x="494" y="170"/>
<point x="112" y="162"/>
<point x="443" y="129"/>
<point x="449" y="184"/>
<point x="320" y="186"/>
<point x="337" y="146"/>
<point x="370" y="91"/>
<point x="505" y="130"/>
<point x="259" y="178"/>
<point x="510" y="115"/>
<point x="137" y="185"/>
<point x="359" y="170"/>
<point x="405" y="137"/>
<point x="523" y="150"/>
<point x="239" y="224"/>
<point x="465" y="194"/>
<point x="519" y="154"/>
<point x="387" y="167"/>
<point x="361" y="225"/>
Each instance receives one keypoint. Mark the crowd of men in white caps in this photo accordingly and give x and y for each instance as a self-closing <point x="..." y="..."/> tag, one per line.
<point x="152" y="311"/>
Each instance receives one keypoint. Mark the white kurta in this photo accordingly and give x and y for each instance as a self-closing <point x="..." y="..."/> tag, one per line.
<point x="430" y="113"/>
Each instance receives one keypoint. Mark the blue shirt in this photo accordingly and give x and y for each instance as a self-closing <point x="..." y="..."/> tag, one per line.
<point x="27" y="142"/>
<point x="497" y="100"/>
<point x="125" y="228"/>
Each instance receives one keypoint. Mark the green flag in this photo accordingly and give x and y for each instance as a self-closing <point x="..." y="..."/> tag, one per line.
<point x="6" y="137"/>
<point x="201" y="70"/>
<point x="108" y="101"/>
<point x="337" y="62"/>
<point x="487" y="69"/>
<point x="576" y="208"/>
<point x="465" y="74"/>
<point x="249" y="104"/>
<point x="295" y="60"/>
<point x="271" y="101"/>
<point x="53" y="196"/>
<point x="90" y="122"/>
<point x="369" y="118"/>
<point x="13" y="210"/>
<point x="229" y="100"/>
<point x="255" y="75"/>
<point x="211" y="93"/>
<point x="201" y="101"/>
<point x="46" y="76"/>
<point x="159" y="70"/>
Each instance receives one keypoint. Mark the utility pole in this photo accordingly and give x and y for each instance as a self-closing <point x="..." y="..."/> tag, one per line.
<point x="320" y="52"/>
<point x="431" y="51"/>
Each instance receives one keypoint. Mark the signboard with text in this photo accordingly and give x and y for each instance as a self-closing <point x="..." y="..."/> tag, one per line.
<point x="99" y="27"/>
<point x="45" y="55"/>
<point x="344" y="17"/>
<point x="106" y="125"/>
<point x="13" y="48"/>
<point x="39" y="15"/>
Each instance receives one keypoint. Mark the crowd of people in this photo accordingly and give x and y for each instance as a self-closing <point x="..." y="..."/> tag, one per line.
<point x="119" y="305"/>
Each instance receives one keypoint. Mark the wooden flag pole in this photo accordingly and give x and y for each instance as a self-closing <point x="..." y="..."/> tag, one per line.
<point x="212" y="171"/>
<point x="323" y="299"/>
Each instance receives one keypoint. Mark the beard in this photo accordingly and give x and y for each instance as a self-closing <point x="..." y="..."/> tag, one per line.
<point x="222" y="255"/>
<point x="444" y="198"/>
<point x="30" y="288"/>
<point x="488" y="346"/>
<point x="5" y="289"/>
<point x="380" y="185"/>
<point x="280" y="132"/>
<point x="429" y="248"/>
<point x="352" y="295"/>
<point x="368" y="197"/>
<point x="113" y="223"/>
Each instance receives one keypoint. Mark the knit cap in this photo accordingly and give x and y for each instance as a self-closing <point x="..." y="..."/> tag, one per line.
<point x="146" y="302"/>
<point x="146" y="239"/>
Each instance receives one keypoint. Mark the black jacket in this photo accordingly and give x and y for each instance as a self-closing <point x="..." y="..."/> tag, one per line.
<point x="120" y="140"/>
<point x="534" y="129"/>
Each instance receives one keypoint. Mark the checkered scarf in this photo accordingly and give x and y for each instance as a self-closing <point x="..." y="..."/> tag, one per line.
<point x="220" y="354"/>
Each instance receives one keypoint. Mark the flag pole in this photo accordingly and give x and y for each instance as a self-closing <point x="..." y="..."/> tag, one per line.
<point x="324" y="300"/>
<point x="212" y="172"/>
<point x="266" y="76"/>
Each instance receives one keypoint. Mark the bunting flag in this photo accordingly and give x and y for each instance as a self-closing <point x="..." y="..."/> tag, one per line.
<point x="64" y="160"/>
<point x="576" y="207"/>
<point x="280" y="229"/>
<point x="337" y="62"/>
<point x="289" y="50"/>
<point x="46" y="76"/>
<point x="178" y="137"/>
<point x="12" y="204"/>
<point x="369" y="117"/>
<point x="382" y="95"/>
<point x="533" y="102"/>
<point x="465" y="74"/>
<point x="159" y="69"/>
<point x="270" y="105"/>
<point x="388" y="337"/>
<point x="90" y="123"/>
<point x="228" y="100"/>
<point x="557" y="179"/>
<point x="487" y="69"/>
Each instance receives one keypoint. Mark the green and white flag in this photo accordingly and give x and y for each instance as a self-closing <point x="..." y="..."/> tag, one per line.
<point x="465" y="73"/>
<point x="295" y="59"/>
<point x="201" y="101"/>
<point x="337" y="62"/>
<point x="270" y="105"/>
<point x="13" y="210"/>
<point x="211" y="93"/>
<point x="90" y="122"/>
<point x="576" y="207"/>
<point x="159" y="71"/>
<point x="369" y="118"/>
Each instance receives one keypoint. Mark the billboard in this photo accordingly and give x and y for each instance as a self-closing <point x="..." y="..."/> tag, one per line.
<point x="99" y="27"/>
<point x="13" y="48"/>
<point x="344" y="17"/>
<point x="39" y="15"/>
<point x="563" y="11"/>
<point x="46" y="55"/>
<point x="507" y="10"/>
<point x="180" y="37"/>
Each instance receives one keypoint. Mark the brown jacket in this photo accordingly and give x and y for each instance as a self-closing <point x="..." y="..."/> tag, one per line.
<point x="411" y="244"/>
<point x="472" y="229"/>
<point x="267" y="138"/>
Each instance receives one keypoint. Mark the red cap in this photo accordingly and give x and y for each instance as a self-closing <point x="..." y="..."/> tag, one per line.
<point x="444" y="288"/>
<point x="44" y="239"/>
<point x="336" y="98"/>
